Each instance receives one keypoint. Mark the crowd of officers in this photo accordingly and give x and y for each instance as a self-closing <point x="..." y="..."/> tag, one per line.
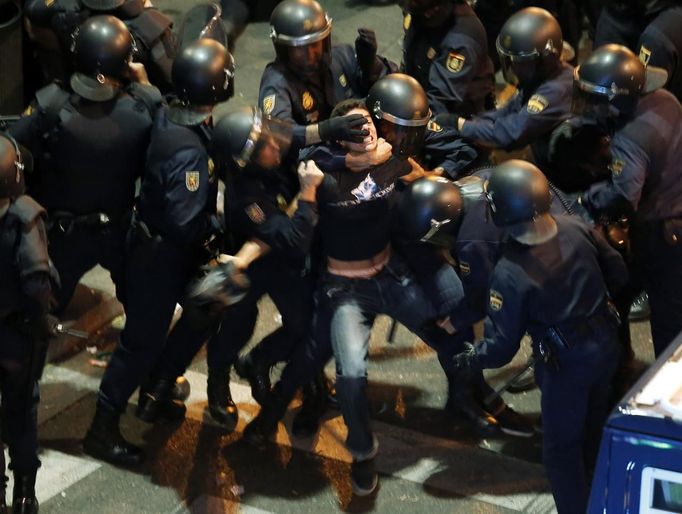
<point x="355" y="187"/>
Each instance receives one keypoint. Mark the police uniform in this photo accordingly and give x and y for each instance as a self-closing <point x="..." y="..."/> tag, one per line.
<point x="557" y="292"/>
<point x="175" y="216"/>
<point x="89" y="155"/>
<point x="151" y="29"/>
<point x="527" y="118"/>
<point x="451" y="62"/>
<point x="287" y="96"/>
<point x="645" y="173"/>
<point x="661" y="45"/>
<point x="24" y="304"/>
<point x="622" y="22"/>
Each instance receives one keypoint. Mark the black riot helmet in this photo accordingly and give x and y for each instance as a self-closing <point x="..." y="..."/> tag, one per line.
<point x="400" y="111"/>
<point x="529" y="46"/>
<point x="12" y="167"/>
<point x="301" y="33"/>
<point x="608" y="83"/>
<point x="519" y="200"/>
<point x="430" y="12"/>
<point x="246" y="138"/>
<point x="103" y="5"/>
<point x="429" y="211"/>
<point x="201" y="76"/>
<point x="102" y="49"/>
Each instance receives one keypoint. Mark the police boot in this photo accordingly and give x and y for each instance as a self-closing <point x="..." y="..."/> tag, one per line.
<point x="181" y="389"/>
<point x="307" y="420"/>
<point x="221" y="407"/>
<point x="264" y="426"/>
<point x="462" y="404"/>
<point x="640" y="310"/>
<point x="156" y="403"/>
<point x="104" y="440"/>
<point x="24" y="499"/>
<point x="257" y="373"/>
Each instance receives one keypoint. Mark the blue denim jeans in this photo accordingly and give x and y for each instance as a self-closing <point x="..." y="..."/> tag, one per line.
<point x="346" y="309"/>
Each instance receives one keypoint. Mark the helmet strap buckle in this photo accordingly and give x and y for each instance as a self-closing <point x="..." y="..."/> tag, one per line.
<point x="100" y="78"/>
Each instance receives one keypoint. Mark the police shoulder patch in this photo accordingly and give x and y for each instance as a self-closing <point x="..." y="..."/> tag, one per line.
<point x="407" y="21"/>
<point x="434" y="127"/>
<point x="211" y="169"/>
<point x="268" y="104"/>
<point x="537" y="104"/>
<point x="255" y="213"/>
<point x="496" y="300"/>
<point x="616" y="166"/>
<point x="644" y="55"/>
<point x="343" y="80"/>
<point x="455" y="62"/>
<point x="464" y="268"/>
<point x="192" y="181"/>
<point x="431" y="53"/>
<point x="307" y="101"/>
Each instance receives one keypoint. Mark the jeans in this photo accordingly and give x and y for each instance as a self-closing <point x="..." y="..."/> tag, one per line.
<point x="346" y="309"/>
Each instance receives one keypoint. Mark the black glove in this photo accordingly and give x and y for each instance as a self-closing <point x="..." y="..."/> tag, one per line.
<point x="343" y="128"/>
<point x="467" y="360"/>
<point x="366" y="51"/>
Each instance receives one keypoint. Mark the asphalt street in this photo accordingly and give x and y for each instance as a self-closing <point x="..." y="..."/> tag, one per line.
<point x="428" y="461"/>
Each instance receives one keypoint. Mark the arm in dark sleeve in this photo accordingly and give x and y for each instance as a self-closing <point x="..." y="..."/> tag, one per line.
<point x="505" y="323"/>
<point x="444" y="149"/>
<point x="328" y="159"/>
<point x="345" y="56"/>
<point x="34" y="265"/>
<point x="26" y="130"/>
<point x="273" y="98"/>
<point x="291" y="237"/>
<point x="186" y="211"/>
<point x="629" y="166"/>
<point x="515" y="126"/>
<point x="611" y="262"/>
<point x="451" y="73"/>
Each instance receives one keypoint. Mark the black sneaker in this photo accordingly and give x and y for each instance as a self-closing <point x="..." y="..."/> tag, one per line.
<point x="257" y="374"/>
<point x="513" y="423"/>
<point x="363" y="477"/>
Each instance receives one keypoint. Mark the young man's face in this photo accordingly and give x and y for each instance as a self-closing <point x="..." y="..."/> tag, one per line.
<point x="370" y="142"/>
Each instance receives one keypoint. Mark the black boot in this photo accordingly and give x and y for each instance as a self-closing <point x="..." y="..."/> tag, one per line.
<point x="104" y="440"/>
<point x="307" y="420"/>
<point x="181" y="389"/>
<point x="24" y="499"/>
<point x="156" y="403"/>
<point x="220" y="404"/>
<point x="257" y="373"/>
<point x="264" y="426"/>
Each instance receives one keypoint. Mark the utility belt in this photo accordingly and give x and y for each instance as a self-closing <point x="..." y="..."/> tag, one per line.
<point x="562" y="337"/>
<point x="66" y="222"/>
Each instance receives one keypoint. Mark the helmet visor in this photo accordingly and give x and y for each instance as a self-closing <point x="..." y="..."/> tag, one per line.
<point x="591" y="105"/>
<point x="306" y="59"/>
<point x="202" y="22"/>
<point x="406" y="141"/>
<point x="272" y="145"/>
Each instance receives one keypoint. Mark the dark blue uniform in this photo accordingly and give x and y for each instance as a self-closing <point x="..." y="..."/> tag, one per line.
<point x="557" y="292"/>
<point x="88" y="155"/>
<point x="646" y="174"/>
<point x="287" y="96"/>
<point x="451" y="62"/>
<point x="528" y="118"/>
<point x="175" y="217"/>
<point x="661" y="45"/>
<point x="24" y="299"/>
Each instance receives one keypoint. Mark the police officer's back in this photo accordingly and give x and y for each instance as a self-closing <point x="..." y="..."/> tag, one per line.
<point x="174" y="218"/>
<point x="553" y="280"/>
<point x="445" y="49"/>
<point x="90" y="148"/>
<point x="24" y="328"/>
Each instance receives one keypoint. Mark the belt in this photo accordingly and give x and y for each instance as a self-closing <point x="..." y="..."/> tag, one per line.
<point x="366" y="268"/>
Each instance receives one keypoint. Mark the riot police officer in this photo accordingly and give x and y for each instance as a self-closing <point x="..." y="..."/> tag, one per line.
<point x="52" y="24"/>
<point x="612" y="87"/>
<point x="553" y="280"/>
<point x="105" y="126"/>
<point x="268" y="245"/>
<point x="174" y="220"/>
<point x="529" y="46"/>
<point x="24" y="327"/>
<point x="621" y="22"/>
<point x="445" y="49"/>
